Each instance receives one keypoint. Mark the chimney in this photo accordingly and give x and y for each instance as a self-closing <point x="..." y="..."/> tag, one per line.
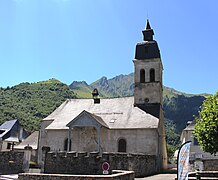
<point x="20" y="136"/>
<point x="95" y="96"/>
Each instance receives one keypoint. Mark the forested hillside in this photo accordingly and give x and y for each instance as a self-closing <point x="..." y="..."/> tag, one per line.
<point x="30" y="103"/>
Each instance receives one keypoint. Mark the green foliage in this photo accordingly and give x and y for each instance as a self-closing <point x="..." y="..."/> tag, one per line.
<point x="30" y="103"/>
<point x="172" y="137"/>
<point x="181" y="108"/>
<point x="81" y="89"/>
<point x="206" y="127"/>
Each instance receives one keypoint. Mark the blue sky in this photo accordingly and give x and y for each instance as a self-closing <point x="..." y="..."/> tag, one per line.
<point x="87" y="39"/>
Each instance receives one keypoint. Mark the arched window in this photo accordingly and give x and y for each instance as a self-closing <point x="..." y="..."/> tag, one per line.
<point x="142" y="76"/>
<point x="66" y="144"/>
<point x="152" y="75"/>
<point x="122" y="145"/>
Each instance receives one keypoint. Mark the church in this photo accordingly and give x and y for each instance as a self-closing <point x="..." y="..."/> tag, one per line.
<point x="126" y="125"/>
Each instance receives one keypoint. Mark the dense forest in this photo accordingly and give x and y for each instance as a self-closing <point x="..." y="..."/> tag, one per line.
<point x="31" y="102"/>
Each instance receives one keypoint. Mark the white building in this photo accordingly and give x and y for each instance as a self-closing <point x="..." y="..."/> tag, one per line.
<point x="197" y="156"/>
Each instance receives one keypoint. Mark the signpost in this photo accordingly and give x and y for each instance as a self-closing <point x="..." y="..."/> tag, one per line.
<point x="105" y="167"/>
<point x="183" y="161"/>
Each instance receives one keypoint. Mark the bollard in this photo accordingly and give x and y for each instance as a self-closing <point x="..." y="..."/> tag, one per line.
<point x="198" y="176"/>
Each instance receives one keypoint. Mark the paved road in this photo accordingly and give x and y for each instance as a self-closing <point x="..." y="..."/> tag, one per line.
<point x="168" y="175"/>
<point x="159" y="177"/>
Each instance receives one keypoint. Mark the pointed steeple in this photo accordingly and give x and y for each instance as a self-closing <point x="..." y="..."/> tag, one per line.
<point x="148" y="25"/>
<point x="148" y="32"/>
<point x="148" y="48"/>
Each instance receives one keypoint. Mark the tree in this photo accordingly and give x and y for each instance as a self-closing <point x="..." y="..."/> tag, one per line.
<point x="172" y="137"/>
<point x="206" y="127"/>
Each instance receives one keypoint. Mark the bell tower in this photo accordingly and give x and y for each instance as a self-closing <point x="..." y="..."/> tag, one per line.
<point x="148" y="74"/>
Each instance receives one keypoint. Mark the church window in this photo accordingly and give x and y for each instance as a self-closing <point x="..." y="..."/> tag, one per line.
<point x="142" y="76"/>
<point x="66" y="144"/>
<point x="9" y="146"/>
<point x="122" y="145"/>
<point x="152" y="75"/>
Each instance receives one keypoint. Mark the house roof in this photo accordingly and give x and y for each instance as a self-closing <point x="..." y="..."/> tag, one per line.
<point x="190" y="127"/>
<point x="31" y="140"/>
<point x="116" y="113"/>
<point x="6" y="127"/>
<point x="8" y="124"/>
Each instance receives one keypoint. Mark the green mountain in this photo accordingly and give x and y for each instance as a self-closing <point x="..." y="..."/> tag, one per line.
<point x="119" y="86"/>
<point x="30" y="103"/>
<point x="179" y="107"/>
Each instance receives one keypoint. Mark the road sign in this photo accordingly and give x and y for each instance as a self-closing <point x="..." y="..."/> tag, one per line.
<point x="105" y="166"/>
<point x="105" y="172"/>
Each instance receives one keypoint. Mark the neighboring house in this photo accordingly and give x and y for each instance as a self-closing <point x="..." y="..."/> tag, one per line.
<point x="197" y="155"/>
<point x="130" y="124"/>
<point x="32" y="141"/>
<point x="11" y="134"/>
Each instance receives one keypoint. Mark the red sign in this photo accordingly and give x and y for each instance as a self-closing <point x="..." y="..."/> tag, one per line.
<point x="105" y="166"/>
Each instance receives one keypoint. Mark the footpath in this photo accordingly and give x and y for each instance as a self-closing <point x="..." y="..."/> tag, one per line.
<point x="168" y="175"/>
<point x="8" y="177"/>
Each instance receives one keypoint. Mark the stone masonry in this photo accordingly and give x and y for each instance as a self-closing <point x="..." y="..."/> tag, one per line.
<point x="84" y="164"/>
<point x="11" y="162"/>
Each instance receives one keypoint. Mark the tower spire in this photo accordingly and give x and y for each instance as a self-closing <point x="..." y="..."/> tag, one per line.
<point x="148" y="25"/>
<point x="148" y="32"/>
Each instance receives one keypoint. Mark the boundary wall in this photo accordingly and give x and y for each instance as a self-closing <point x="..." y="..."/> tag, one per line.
<point x="84" y="163"/>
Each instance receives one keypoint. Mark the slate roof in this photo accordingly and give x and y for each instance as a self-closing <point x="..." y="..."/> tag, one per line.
<point x="8" y="124"/>
<point x="190" y="127"/>
<point x="10" y="131"/>
<point x="6" y="127"/>
<point x="31" y="140"/>
<point x="117" y="113"/>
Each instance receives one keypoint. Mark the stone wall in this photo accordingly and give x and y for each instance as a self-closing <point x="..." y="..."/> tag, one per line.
<point x="211" y="165"/>
<point x="11" y="162"/>
<point x="83" y="163"/>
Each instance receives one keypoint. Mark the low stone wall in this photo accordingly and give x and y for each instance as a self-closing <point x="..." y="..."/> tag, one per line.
<point x="120" y="175"/>
<point x="83" y="163"/>
<point x="210" y="165"/>
<point x="11" y="162"/>
<point x="207" y="165"/>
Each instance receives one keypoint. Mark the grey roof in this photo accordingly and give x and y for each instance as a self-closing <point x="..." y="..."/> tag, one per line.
<point x="6" y="127"/>
<point x="117" y="113"/>
<point x="31" y="140"/>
